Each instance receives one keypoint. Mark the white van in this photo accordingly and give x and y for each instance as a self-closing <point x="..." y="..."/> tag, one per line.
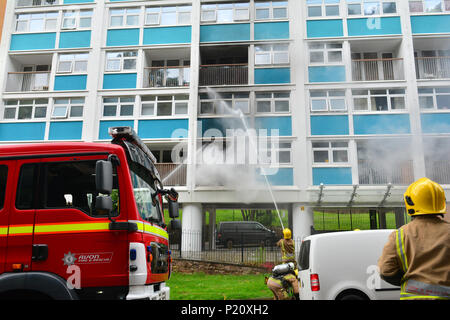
<point x="343" y="266"/>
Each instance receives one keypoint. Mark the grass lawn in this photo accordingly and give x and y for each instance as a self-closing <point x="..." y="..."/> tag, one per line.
<point x="200" y="286"/>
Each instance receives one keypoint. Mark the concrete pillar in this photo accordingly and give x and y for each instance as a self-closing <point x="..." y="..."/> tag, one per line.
<point x="302" y="221"/>
<point x="191" y="229"/>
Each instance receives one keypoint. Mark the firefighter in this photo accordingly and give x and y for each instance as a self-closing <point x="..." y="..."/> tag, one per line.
<point x="287" y="246"/>
<point x="417" y="256"/>
<point x="283" y="278"/>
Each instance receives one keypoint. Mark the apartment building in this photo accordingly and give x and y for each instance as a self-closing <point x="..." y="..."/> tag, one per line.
<point x="352" y="96"/>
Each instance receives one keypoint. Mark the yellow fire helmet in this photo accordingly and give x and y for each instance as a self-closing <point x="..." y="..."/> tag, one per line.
<point x="425" y="196"/>
<point x="287" y="234"/>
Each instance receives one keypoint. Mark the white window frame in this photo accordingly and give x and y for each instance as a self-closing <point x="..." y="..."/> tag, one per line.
<point x="390" y="94"/>
<point x="216" y="7"/>
<point x="330" y="148"/>
<point x="73" y="59"/>
<point x="34" y="105"/>
<point x="362" y="7"/>
<point x="157" y="99"/>
<point x="271" y="51"/>
<point x="36" y="3"/>
<point x="323" y="5"/>
<point x="159" y="11"/>
<point x="77" y="17"/>
<point x="273" y="99"/>
<point x="223" y="97"/>
<point x="115" y="12"/>
<point x="271" y="6"/>
<point x="121" y="59"/>
<point x="434" y="94"/>
<point x="27" y="18"/>
<point x="119" y="104"/>
<point x="328" y="97"/>
<point x="445" y="6"/>
<point x="325" y="48"/>
<point x="68" y="107"/>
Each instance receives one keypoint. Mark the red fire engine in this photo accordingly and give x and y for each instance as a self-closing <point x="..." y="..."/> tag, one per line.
<point x="84" y="221"/>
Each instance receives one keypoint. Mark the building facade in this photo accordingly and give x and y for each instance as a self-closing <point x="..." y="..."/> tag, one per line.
<point x="352" y="98"/>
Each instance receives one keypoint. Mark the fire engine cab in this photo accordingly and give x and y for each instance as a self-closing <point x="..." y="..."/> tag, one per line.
<point x="84" y="221"/>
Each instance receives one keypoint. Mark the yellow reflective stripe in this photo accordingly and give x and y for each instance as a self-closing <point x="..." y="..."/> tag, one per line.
<point x="20" y="230"/>
<point x="401" y="249"/>
<point x="156" y="231"/>
<point x="3" y="231"/>
<point x="72" y="227"/>
<point x="412" y="297"/>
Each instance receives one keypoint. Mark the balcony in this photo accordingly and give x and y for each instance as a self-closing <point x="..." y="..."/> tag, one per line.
<point x="36" y="3"/>
<point x="172" y="174"/>
<point x="176" y="76"/>
<point x="378" y="172"/>
<point x="28" y="81"/>
<point x="438" y="170"/>
<point x="433" y="67"/>
<point x="383" y="69"/>
<point x="223" y="74"/>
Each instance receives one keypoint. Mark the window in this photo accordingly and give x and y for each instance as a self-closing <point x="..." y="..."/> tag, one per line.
<point x="118" y="106"/>
<point x="121" y="61"/>
<point x="68" y="107"/>
<point x="434" y="98"/>
<point x="272" y="102"/>
<point x="73" y="63"/>
<point x="271" y="54"/>
<point x="3" y="179"/>
<point x="325" y="53"/>
<point x="71" y="184"/>
<point x="282" y="152"/>
<point x="371" y="7"/>
<point x="169" y="73"/>
<point x="164" y="105"/>
<point x="429" y="6"/>
<point x="167" y="16"/>
<point x="225" y="12"/>
<point x="321" y="8"/>
<point x="378" y="100"/>
<point x="77" y="19"/>
<point x="327" y="100"/>
<point x="330" y="152"/>
<point x="26" y="186"/>
<point x="25" y="109"/>
<point x="224" y="103"/>
<point x="29" y="3"/>
<point x="36" y="22"/>
<point x="124" y="17"/>
<point x="271" y="10"/>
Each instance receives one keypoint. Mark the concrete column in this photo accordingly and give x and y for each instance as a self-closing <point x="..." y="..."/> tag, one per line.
<point x="302" y="221"/>
<point x="191" y="229"/>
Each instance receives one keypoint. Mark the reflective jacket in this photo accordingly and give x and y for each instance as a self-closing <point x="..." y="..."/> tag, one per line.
<point x="287" y="250"/>
<point x="417" y="257"/>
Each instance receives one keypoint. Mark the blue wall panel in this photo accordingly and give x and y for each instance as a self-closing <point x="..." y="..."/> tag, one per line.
<point x="221" y="124"/>
<point x="122" y="37"/>
<point x="272" y="75"/>
<point x="106" y="124"/>
<point x="374" y="26"/>
<point x="327" y="74"/>
<point x="75" y="39"/>
<point x="435" y="122"/>
<point x="70" y="82"/>
<point x="329" y="125"/>
<point x="65" y="130"/>
<point x="33" y="41"/>
<point x="324" y="28"/>
<point x="282" y="124"/>
<point x="283" y="177"/>
<point x="381" y="124"/>
<point x="225" y="32"/>
<point x="332" y="176"/>
<point x="271" y="30"/>
<point x="119" y="80"/>
<point x="167" y="35"/>
<point x="22" y="131"/>
<point x="155" y="129"/>
<point x="430" y="24"/>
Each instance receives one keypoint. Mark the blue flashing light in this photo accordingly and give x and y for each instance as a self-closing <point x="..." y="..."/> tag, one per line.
<point x="133" y="254"/>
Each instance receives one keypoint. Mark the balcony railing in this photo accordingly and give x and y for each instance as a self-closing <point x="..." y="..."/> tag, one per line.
<point x="433" y="67"/>
<point x="438" y="171"/>
<point x="382" y="172"/>
<point x="377" y="69"/>
<point x="35" y="3"/>
<point x="28" y="81"/>
<point x="172" y="174"/>
<point x="167" y="76"/>
<point x="223" y="74"/>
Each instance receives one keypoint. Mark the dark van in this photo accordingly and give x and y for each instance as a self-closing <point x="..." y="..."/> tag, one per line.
<point x="231" y="233"/>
